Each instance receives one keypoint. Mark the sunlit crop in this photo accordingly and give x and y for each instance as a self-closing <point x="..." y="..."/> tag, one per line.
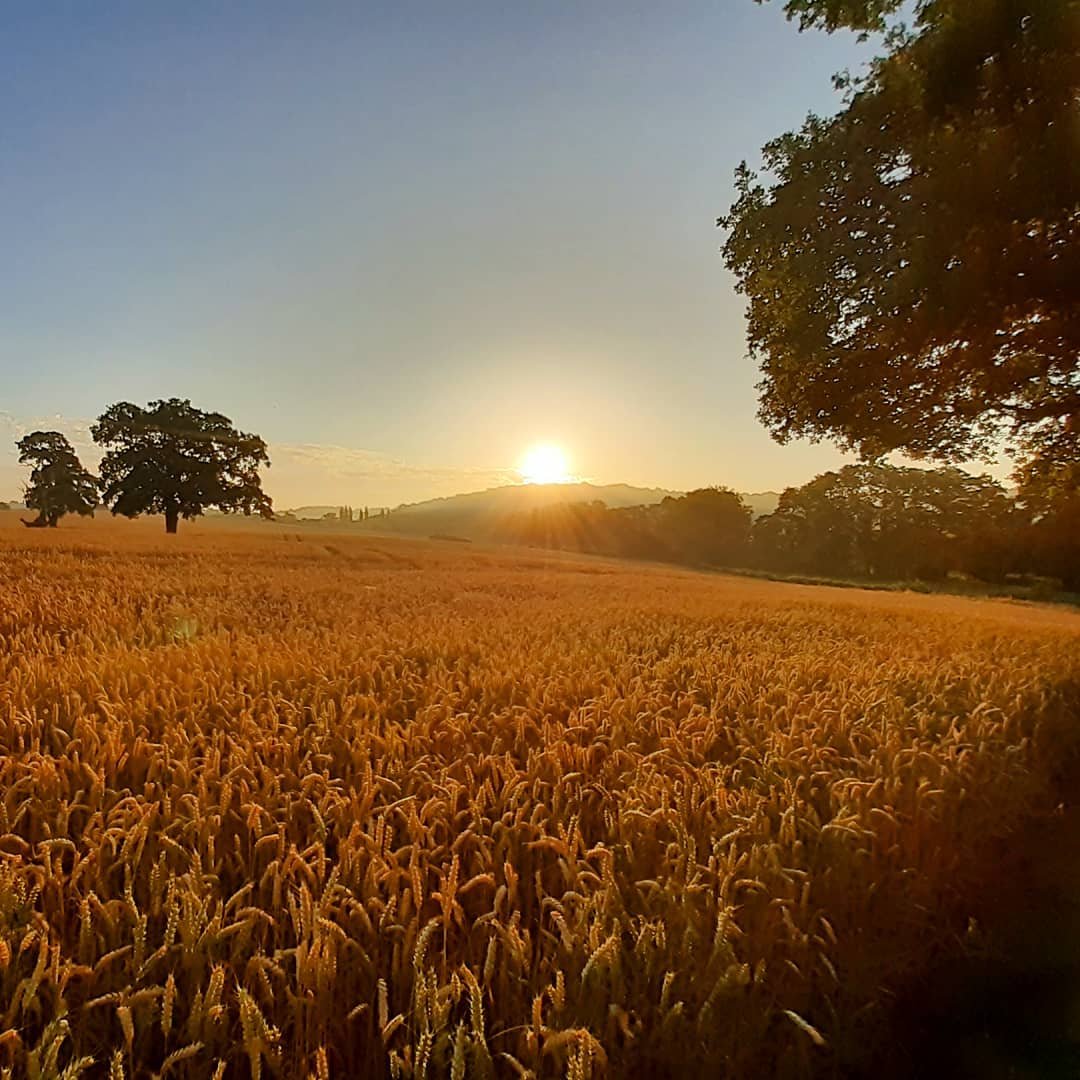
<point x="297" y="804"/>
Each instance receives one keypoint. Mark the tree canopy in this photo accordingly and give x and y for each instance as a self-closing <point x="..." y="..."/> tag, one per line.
<point x="709" y="526"/>
<point x="912" y="264"/>
<point x="875" y="521"/>
<point x="174" y="459"/>
<point x="885" y="522"/>
<point x="833" y="14"/>
<point x="58" y="483"/>
<point x="1049" y="492"/>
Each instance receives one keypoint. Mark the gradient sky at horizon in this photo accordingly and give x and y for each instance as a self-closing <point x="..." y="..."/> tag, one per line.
<point x="402" y="242"/>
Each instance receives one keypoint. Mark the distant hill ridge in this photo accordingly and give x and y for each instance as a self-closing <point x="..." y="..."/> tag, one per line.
<point x="477" y="513"/>
<point x="516" y="495"/>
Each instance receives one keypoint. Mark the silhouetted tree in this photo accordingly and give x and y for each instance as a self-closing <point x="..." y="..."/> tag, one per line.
<point x="706" y="527"/>
<point x="913" y="263"/>
<point x="174" y="459"/>
<point x="709" y="526"/>
<point x="637" y="532"/>
<point x="58" y="483"/>
<point x="886" y="522"/>
<point x="627" y="532"/>
<point x="1049" y="493"/>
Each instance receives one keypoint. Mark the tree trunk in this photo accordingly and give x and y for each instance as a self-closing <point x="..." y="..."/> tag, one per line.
<point x="172" y="519"/>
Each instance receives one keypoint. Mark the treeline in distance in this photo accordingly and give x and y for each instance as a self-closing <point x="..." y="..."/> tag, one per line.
<point x="863" y="521"/>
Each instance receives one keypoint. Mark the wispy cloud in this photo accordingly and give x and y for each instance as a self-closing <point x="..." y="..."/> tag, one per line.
<point x="77" y="431"/>
<point x="355" y="475"/>
<point x="301" y="473"/>
<point x="13" y="428"/>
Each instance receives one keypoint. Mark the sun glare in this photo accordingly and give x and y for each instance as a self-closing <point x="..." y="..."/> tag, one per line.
<point x="544" y="464"/>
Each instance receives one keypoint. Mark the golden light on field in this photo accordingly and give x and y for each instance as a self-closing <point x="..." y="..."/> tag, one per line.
<point x="436" y="807"/>
<point x="544" y="464"/>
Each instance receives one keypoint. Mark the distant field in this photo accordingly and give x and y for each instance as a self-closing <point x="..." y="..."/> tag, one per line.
<point x="275" y="802"/>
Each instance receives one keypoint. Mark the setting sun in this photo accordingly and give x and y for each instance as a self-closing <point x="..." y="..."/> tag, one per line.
<point x="544" y="464"/>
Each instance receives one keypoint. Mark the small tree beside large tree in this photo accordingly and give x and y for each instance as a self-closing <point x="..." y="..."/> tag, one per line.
<point x="58" y="483"/>
<point x="174" y="459"/>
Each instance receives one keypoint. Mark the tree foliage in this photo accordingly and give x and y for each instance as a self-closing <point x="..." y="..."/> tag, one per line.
<point x="58" y="483"/>
<point x="174" y="459"/>
<point x="1049" y="492"/>
<point x="879" y="521"/>
<point x="832" y="15"/>
<point x="862" y="521"/>
<point x="912" y="264"/>
<point x="710" y="526"/>
<point x="707" y="527"/>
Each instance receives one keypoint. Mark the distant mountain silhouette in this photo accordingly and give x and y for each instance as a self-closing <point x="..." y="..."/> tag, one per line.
<point x="761" y="502"/>
<point x="517" y="496"/>
<point x="480" y="515"/>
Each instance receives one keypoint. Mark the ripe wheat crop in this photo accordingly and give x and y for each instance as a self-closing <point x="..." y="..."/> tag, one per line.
<point x="304" y="805"/>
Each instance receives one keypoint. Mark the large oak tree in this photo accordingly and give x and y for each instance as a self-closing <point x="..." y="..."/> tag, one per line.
<point x="912" y="264"/>
<point x="174" y="459"/>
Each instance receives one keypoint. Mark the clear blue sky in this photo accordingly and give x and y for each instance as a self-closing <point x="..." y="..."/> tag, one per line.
<point x="400" y="241"/>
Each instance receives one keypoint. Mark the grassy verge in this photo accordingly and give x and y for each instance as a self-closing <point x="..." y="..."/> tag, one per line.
<point x="1039" y="593"/>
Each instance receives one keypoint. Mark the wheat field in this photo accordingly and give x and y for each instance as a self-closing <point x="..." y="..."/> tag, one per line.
<point x="287" y="803"/>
